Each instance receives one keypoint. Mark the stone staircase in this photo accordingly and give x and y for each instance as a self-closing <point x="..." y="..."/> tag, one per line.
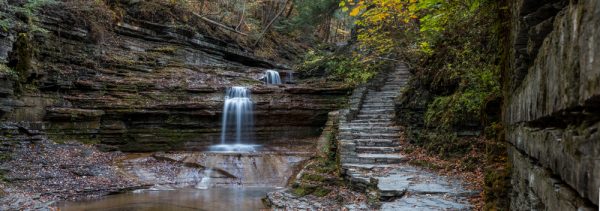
<point x="369" y="149"/>
<point x="371" y="138"/>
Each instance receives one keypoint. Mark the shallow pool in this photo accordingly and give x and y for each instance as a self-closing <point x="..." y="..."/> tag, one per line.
<point x="220" y="199"/>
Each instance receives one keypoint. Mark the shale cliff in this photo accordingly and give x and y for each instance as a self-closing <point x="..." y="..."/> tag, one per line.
<point x="139" y="85"/>
<point x="551" y="106"/>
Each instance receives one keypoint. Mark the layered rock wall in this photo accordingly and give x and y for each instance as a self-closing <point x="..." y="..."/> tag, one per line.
<point x="145" y="86"/>
<point x="552" y="104"/>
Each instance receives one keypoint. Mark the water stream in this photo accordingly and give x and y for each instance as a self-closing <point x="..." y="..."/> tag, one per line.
<point x="237" y="122"/>
<point x="220" y="199"/>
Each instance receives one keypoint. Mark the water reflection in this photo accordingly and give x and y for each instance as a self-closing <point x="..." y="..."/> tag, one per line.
<point x="219" y="199"/>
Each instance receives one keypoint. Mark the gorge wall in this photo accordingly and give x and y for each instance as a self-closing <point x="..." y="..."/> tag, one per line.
<point x="551" y="104"/>
<point x="143" y="86"/>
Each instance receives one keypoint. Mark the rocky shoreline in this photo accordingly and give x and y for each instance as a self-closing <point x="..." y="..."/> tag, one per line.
<point x="37" y="172"/>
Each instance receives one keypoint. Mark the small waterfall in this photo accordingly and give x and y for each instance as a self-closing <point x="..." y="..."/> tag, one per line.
<point x="237" y="115"/>
<point x="205" y="182"/>
<point x="289" y="77"/>
<point x="237" y="123"/>
<point x="272" y="77"/>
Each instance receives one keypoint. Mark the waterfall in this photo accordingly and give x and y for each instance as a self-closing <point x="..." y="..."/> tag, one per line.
<point x="237" y="115"/>
<point x="272" y="77"/>
<point x="289" y="77"/>
<point x="237" y="122"/>
<point x="205" y="182"/>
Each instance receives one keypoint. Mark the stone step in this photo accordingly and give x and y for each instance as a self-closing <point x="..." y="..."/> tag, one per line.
<point x="375" y="150"/>
<point x="381" y="94"/>
<point x="388" y="109"/>
<point x="376" y="143"/>
<point x="367" y="124"/>
<point x="373" y="119"/>
<point x="395" y="80"/>
<point x="380" y="98"/>
<point x="371" y="129"/>
<point x="375" y="116"/>
<point x="373" y="91"/>
<point x="360" y="135"/>
<point x="368" y="158"/>
<point x="378" y="106"/>
<point x="358" y="166"/>
<point x="378" y="101"/>
<point x="375" y="110"/>
<point x="374" y="96"/>
<point x="381" y="121"/>
<point x="389" y="122"/>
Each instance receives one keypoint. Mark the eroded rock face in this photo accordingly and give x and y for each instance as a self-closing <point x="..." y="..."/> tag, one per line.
<point x="551" y="107"/>
<point x="148" y="86"/>
<point x="207" y="170"/>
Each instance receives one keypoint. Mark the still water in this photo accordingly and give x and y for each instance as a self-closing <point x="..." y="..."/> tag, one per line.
<point x="219" y="199"/>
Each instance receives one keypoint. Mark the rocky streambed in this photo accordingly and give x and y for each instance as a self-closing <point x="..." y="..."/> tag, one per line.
<point x="41" y="174"/>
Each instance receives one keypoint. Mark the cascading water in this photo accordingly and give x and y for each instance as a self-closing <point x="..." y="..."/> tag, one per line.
<point x="272" y="77"/>
<point x="290" y="77"/>
<point x="237" y="123"/>
<point x="205" y="182"/>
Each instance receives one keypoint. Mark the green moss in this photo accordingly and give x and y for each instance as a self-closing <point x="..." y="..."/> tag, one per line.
<point x="442" y="142"/>
<point x="328" y="168"/>
<point x="4" y="24"/>
<point x="7" y="71"/>
<point x="321" y="191"/>
<point x="496" y="189"/>
<point x="165" y="49"/>
<point x="303" y="190"/>
<point x="313" y="177"/>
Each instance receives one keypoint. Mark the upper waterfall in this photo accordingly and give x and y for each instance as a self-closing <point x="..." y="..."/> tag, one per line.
<point x="272" y="77"/>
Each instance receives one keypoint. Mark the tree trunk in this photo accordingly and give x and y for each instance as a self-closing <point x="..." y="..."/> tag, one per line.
<point x="270" y="23"/>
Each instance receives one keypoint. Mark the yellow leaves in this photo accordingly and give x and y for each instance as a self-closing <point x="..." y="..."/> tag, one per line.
<point x="412" y="7"/>
<point x="359" y="6"/>
<point x="426" y="48"/>
<point x="382" y="23"/>
<point x="355" y="11"/>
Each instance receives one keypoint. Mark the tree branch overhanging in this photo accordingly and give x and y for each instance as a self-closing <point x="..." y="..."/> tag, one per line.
<point x="220" y="25"/>
<point x="270" y="23"/>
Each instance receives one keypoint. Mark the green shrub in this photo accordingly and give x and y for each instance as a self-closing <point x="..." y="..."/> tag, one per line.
<point x="7" y="71"/>
<point x="350" y="69"/>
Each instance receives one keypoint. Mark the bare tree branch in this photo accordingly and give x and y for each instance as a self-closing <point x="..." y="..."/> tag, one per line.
<point x="220" y="24"/>
<point x="270" y="23"/>
<point x="243" y="14"/>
